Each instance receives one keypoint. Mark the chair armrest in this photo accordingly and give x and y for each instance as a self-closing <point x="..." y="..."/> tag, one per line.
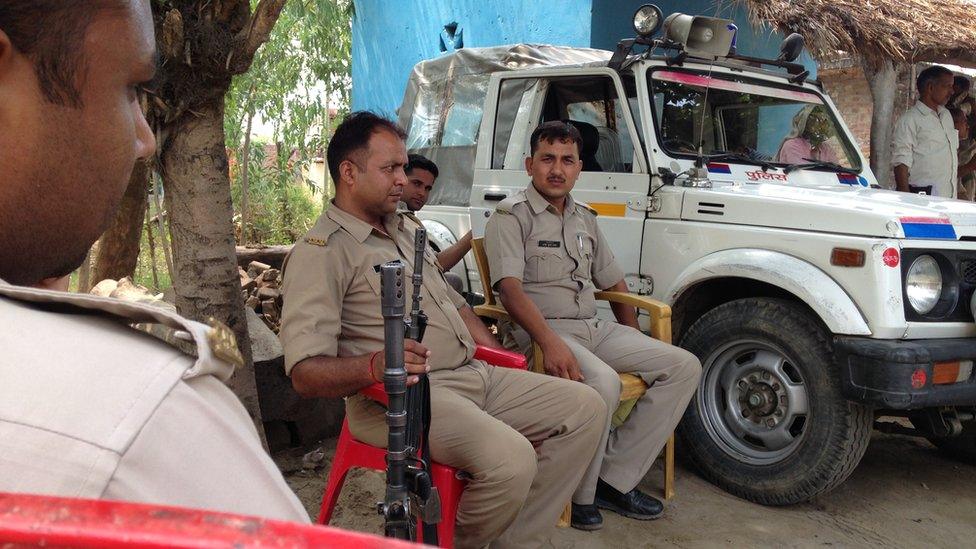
<point x="501" y="358"/>
<point x="655" y="308"/>
<point x="496" y="312"/>
<point x="631" y="387"/>
<point x="659" y="312"/>
<point x="495" y="357"/>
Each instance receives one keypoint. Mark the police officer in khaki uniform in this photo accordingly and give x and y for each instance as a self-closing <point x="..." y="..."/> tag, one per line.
<point x="525" y="439"/>
<point x="547" y="259"/>
<point x="90" y="407"/>
<point x="421" y="175"/>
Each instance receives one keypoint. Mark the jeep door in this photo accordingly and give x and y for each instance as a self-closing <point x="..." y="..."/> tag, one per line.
<point x="599" y="102"/>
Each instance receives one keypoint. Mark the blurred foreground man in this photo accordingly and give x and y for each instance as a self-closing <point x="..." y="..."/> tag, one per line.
<point x="90" y="407"/>
<point x="525" y="439"/>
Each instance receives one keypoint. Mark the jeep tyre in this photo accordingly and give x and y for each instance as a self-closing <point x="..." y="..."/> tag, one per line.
<point x="769" y="423"/>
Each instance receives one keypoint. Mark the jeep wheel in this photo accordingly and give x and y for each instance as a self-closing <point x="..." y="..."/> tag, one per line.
<point x="769" y="423"/>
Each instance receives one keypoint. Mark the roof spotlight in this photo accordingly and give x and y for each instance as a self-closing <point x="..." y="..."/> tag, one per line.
<point x="647" y="20"/>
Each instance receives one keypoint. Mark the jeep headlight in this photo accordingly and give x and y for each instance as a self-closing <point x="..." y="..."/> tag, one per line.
<point x="923" y="284"/>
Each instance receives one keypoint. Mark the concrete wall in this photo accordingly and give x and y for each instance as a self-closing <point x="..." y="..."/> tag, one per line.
<point x="389" y="38"/>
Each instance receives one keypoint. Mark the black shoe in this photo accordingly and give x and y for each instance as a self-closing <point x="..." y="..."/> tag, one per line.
<point x="634" y="504"/>
<point x="586" y="517"/>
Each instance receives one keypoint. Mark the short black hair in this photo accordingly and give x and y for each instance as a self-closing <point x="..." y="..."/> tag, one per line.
<point x="421" y="162"/>
<point x="51" y="34"/>
<point x="930" y="75"/>
<point x="353" y="135"/>
<point x="555" y="130"/>
<point x="962" y="82"/>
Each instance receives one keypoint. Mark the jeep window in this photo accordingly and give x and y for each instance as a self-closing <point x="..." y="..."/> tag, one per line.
<point x="443" y="126"/>
<point x="781" y="125"/>
<point x="514" y="102"/>
<point x="592" y="105"/>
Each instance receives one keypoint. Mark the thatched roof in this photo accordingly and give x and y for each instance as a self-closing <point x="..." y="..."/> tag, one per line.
<point x="903" y="30"/>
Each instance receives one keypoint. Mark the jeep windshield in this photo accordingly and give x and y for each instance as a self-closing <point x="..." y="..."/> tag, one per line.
<point x="747" y="121"/>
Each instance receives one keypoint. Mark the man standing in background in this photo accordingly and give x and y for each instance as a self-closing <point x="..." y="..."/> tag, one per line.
<point x="925" y="140"/>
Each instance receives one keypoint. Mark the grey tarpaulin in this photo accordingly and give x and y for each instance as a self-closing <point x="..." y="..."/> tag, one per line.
<point x="442" y="107"/>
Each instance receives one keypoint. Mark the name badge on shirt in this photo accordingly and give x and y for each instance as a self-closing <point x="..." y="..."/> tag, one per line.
<point x="549" y="243"/>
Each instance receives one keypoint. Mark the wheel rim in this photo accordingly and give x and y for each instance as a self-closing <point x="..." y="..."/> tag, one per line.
<point x="754" y="402"/>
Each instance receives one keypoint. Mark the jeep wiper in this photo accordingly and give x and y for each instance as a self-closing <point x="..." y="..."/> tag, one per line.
<point x="739" y="157"/>
<point x="820" y="165"/>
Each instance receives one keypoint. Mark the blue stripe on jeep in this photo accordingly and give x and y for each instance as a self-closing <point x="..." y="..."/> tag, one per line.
<point x="929" y="230"/>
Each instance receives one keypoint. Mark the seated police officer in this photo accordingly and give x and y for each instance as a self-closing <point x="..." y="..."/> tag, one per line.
<point x="547" y="258"/>
<point x="524" y="438"/>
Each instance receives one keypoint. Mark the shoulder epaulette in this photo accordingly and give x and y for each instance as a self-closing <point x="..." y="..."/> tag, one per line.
<point x="505" y="206"/>
<point x="586" y="207"/>
<point x="213" y="343"/>
<point x="320" y="233"/>
<point x="412" y="217"/>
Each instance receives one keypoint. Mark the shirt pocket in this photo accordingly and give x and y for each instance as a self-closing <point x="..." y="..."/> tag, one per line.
<point x="373" y="280"/>
<point x="544" y="264"/>
<point x="585" y="242"/>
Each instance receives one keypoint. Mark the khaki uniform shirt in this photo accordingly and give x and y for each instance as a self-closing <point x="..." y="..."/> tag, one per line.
<point x="562" y="260"/>
<point x="90" y="407"/>
<point x="332" y="293"/>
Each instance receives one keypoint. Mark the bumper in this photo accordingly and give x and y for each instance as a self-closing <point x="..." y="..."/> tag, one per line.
<point x="879" y="371"/>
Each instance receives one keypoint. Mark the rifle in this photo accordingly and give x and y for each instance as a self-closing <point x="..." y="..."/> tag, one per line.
<point x="413" y="424"/>
<point x="395" y="506"/>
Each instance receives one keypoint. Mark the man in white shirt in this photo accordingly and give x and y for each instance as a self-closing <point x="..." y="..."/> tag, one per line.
<point x="925" y="139"/>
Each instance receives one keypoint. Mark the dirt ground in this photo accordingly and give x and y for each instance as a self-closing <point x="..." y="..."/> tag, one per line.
<point x="903" y="494"/>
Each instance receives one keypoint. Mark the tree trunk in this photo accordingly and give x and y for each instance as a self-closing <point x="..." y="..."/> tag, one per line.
<point x="246" y="180"/>
<point x="883" y="81"/>
<point x="327" y="190"/>
<point x="118" y="249"/>
<point x="198" y="199"/>
<point x="161" y="224"/>
<point x="84" y="273"/>
<point x="152" y="251"/>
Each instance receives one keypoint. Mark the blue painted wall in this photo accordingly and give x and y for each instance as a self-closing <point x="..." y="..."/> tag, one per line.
<point x="389" y="38"/>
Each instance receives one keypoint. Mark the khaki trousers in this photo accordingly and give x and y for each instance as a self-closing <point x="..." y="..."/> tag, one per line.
<point x="603" y="349"/>
<point x="525" y="439"/>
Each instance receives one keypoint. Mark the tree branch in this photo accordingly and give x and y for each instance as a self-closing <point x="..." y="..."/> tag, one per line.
<point x="257" y="33"/>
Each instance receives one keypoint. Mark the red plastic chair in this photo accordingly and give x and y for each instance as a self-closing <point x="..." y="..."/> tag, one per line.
<point x="30" y="520"/>
<point x="353" y="453"/>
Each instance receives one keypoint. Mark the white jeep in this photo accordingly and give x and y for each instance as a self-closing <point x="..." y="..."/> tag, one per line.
<point x="815" y="300"/>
